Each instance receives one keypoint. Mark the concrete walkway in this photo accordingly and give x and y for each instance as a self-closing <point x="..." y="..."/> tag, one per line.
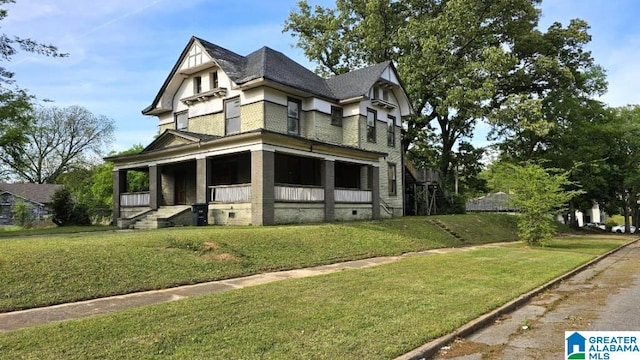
<point x="39" y="316"/>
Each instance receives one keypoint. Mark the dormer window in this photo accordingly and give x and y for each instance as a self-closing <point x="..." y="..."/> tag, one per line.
<point x="213" y="80"/>
<point x="197" y="84"/>
<point x="381" y="95"/>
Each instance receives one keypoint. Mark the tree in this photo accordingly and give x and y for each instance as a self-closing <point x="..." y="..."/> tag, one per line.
<point x="66" y="211"/>
<point x="536" y="192"/>
<point x="22" y="213"/>
<point x="461" y="61"/>
<point x="15" y="103"/>
<point x="59" y="139"/>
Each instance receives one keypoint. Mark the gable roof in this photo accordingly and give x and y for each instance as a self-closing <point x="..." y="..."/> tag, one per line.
<point x="40" y="193"/>
<point x="175" y="138"/>
<point x="272" y="65"/>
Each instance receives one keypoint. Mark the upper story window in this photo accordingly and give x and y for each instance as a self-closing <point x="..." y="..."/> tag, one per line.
<point x="232" y="116"/>
<point x="182" y="120"/>
<point x="197" y="84"/>
<point x="293" y="117"/>
<point x="213" y="80"/>
<point x="393" y="183"/>
<point x="371" y="125"/>
<point x="336" y="116"/>
<point x="391" y="131"/>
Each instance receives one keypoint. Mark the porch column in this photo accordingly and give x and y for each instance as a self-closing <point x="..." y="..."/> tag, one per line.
<point x="202" y="180"/>
<point x="374" y="178"/>
<point x="262" y="187"/>
<point x="155" y="187"/>
<point x="329" y="183"/>
<point x="119" y="186"/>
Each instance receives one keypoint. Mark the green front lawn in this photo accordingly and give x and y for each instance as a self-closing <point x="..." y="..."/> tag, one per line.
<point x="38" y="271"/>
<point x="374" y="313"/>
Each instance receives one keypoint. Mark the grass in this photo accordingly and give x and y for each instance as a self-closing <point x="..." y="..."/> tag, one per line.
<point x="38" y="271"/>
<point x="17" y="231"/>
<point x="374" y="313"/>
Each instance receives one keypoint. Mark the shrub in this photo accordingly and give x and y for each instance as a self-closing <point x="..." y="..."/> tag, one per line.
<point x="22" y="214"/>
<point x="66" y="211"/>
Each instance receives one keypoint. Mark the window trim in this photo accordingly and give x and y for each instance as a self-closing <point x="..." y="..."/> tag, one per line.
<point x="335" y="110"/>
<point x="226" y="119"/>
<point x="373" y="138"/>
<point x="175" y="120"/>
<point x="392" y="180"/>
<point x="298" y="120"/>
<point x="391" y="131"/>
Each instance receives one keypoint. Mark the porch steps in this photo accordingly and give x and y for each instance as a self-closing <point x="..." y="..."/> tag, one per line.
<point x="160" y="218"/>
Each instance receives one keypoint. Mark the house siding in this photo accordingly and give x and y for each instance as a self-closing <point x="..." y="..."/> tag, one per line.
<point x="252" y="116"/>
<point x="351" y="130"/>
<point x="211" y="124"/>
<point x="275" y="117"/>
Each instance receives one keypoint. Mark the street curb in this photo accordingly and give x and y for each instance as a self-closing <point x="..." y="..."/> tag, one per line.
<point x="429" y="349"/>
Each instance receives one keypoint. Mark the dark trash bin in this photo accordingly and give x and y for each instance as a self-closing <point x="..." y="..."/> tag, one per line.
<point x="200" y="214"/>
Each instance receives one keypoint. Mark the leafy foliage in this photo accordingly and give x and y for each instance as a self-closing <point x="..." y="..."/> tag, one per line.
<point x="65" y="210"/>
<point x="21" y="213"/>
<point x="536" y="192"/>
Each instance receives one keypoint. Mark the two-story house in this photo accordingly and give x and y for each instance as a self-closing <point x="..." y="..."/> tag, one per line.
<point x="262" y="140"/>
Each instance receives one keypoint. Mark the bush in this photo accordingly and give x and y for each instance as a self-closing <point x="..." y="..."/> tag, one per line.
<point x="66" y="211"/>
<point x="21" y="214"/>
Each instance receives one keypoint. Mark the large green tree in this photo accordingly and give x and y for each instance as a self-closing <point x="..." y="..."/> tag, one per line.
<point x="461" y="61"/>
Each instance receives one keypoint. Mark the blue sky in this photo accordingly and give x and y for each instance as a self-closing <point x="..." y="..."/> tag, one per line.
<point x="121" y="51"/>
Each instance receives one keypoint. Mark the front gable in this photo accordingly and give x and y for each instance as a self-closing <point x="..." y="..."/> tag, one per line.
<point x="174" y="138"/>
<point x="197" y="56"/>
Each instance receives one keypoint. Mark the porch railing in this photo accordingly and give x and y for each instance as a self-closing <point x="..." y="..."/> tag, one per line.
<point x="299" y="193"/>
<point x="135" y="199"/>
<point x="352" y="196"/>
<point x="231" y="193"/>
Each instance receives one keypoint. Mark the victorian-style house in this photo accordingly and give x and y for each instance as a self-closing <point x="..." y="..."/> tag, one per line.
<point x="260" y="139"/>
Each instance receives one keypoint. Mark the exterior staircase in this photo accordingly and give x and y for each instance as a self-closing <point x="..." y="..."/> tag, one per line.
<point x="163" y="217"/>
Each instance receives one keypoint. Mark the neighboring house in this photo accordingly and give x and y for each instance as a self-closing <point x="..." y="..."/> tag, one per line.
<point x="262" y="140"/>
<point x="495" y="202"/>
<point x="36" y="196"/>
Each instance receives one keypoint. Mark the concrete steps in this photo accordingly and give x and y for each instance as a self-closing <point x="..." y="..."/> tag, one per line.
<point x="160" y="218"/>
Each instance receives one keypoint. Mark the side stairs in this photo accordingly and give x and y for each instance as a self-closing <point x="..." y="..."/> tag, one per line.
<point x="160" y="218"/>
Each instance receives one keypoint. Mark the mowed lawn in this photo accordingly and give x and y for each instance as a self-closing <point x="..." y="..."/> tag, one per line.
<point x="373" y="313"/>
<point x="45" y="270"/>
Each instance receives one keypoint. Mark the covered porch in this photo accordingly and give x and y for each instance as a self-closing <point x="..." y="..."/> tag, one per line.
<point x="259" y="185"/>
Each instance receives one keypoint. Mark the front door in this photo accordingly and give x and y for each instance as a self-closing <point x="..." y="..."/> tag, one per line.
<point x="181" y="189"/>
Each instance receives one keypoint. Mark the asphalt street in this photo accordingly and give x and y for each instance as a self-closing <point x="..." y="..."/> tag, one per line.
<point x="605" y="296"/>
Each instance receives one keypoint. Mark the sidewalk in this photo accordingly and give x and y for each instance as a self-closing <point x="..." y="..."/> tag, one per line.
<point x="44" y="315"/>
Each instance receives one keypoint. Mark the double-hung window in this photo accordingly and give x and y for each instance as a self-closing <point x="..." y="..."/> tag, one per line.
<point x="197" y="85"/>
<point x="391" y="131"/>
<point x="371" y="125"/>
<point x="232" y="116"/>
<point x="336" y="116"/>
<point x="392" y="179"/>
<point x="293" y="117"/>
<point x="213" y="80"/>
<point x="182" y="120"/>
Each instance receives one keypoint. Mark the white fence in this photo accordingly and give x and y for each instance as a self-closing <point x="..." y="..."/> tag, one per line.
<point x="353" y="196"/>
<point x="297" y="193"/>
<point x="231" y="193"/>
<point x="135" y="199"/>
